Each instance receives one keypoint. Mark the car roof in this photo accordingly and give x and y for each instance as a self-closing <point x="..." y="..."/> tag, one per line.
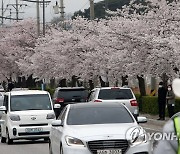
<point x="112" y="88"/>
<point x="92" y="105"/>
<point x="70" y="88"/>
<point x="27" y="92"/>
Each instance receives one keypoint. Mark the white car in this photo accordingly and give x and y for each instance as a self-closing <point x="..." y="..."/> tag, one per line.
<point x="98" y="128"/>
<point x="115" y="94"/>
<point x="27" y="114"/>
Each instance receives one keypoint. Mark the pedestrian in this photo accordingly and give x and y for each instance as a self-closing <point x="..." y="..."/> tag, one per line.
<point x="170" y="101"/>
<point x="172" y="128"/>
<point x="161" y="101"/>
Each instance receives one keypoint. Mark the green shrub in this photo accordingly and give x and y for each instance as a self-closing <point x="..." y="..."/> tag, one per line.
<point x="149" y="105"/>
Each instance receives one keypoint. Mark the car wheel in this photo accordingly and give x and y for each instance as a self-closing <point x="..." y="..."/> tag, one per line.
<point x="61" y="150"/>
<point x="3" y="140"/>
<point x="46" y="139"/>
<point x="8" y="140"/>
<point x="50" y="148"/>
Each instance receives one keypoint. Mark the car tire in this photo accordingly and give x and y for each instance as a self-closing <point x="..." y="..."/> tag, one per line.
<point x="3" y="140"/>
<point x="46" y="139"/>
<point x="8" y="140"/>
<point x="61" y="149"/>
<point x="50" y="148"/>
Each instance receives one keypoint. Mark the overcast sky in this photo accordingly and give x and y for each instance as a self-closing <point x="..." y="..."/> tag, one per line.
<point x="30" y="11"/>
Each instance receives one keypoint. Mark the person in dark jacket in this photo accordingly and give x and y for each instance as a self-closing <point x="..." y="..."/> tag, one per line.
<point x="161" y="101"/>
<point x="172" y="127"/>
<point x="170" y="100"/>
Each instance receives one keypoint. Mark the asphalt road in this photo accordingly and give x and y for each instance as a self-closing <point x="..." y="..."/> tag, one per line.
<point x="25" y="147"/>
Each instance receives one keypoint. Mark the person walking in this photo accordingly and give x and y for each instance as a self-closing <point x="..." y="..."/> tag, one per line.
<point x="170" y="100"/>
<point x="161" y="101"/>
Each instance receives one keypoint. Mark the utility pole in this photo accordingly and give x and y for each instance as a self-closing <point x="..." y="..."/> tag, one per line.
<point x="16" y="7"/>
<point x="44" y="4"/>
<point x="38" y="19"/>
<point x="17" y="11"/>
<point x="91" y="9"/>
<point x="43" y="18"/>
<point x="62" y="10"/>
<point x="2" y="9"/>
<point x="106" y="7"/>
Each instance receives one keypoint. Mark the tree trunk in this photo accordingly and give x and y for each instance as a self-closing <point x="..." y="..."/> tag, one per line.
<point x="30" y="82"/>
<point x="23" y="82"/>
<point x="142" y="87"/>
<point x="124" y="80"/>
<point x="73" y="81"/>
<point x="52" y="83"/>
<point x="103" y="84"/>
<point x="91" y="85"/>
<point x="165" y="80"/>
<point x="62" y="83"/>
<point x="153" y="86"/>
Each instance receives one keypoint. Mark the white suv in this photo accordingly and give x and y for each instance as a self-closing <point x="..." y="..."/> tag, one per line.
<point x="115" y="94"/>
<point x="27" y="114"/>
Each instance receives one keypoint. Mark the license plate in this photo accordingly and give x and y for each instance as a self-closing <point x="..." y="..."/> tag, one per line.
<point x="114" y="151"/>
<point x="35" y="130"/>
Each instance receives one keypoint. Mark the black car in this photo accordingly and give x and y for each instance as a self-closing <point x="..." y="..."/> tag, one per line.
<point x="69" y="95"/>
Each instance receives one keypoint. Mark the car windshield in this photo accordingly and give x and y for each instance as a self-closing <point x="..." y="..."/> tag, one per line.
<point x="30" y="102"/>
<point x="73" y="95"/>
<point x="98" y="115"/>
<point x="110" y="94"/>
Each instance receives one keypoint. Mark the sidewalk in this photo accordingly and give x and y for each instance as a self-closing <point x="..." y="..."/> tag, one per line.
<point x="152" y="123"/>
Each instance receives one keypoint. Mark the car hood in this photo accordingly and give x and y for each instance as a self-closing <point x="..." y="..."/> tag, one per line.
<point x="99" y="132"/>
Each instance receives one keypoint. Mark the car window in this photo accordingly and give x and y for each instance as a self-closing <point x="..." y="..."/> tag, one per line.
<point x="109" y="94"/>
<point x="98" y="115"/>
<point x="73" y="95"/>
<point x="30" y="102"/>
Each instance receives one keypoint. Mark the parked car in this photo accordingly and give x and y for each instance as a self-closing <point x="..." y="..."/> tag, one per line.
<point x="27" y="114"/>
<point x="115" y="94"/>
<point x="98" y="128"/>
<point x="69" y="95"/>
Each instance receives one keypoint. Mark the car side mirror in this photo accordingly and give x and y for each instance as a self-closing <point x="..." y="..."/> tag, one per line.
<point x="57" y="123"/>
<point x="3" y="108"/>
<point x="141" y="119"/>
<point x="57" y="106"/>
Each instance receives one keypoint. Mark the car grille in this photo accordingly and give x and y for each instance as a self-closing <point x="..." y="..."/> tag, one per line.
<point x="108" y="144"/>
<point x="27" y="125"/>
<point x="34" y="133"/>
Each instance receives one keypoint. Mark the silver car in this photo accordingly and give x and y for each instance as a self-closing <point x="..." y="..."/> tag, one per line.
<point x="1" y="102"/>
<point x="98" y="128"/>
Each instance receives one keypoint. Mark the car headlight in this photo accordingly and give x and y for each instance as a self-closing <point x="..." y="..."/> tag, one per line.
<point x="71" y="141"/>
<point x="14" y="117"/>
<point x="51" y="116"/>
<point x="136" y="136"/>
